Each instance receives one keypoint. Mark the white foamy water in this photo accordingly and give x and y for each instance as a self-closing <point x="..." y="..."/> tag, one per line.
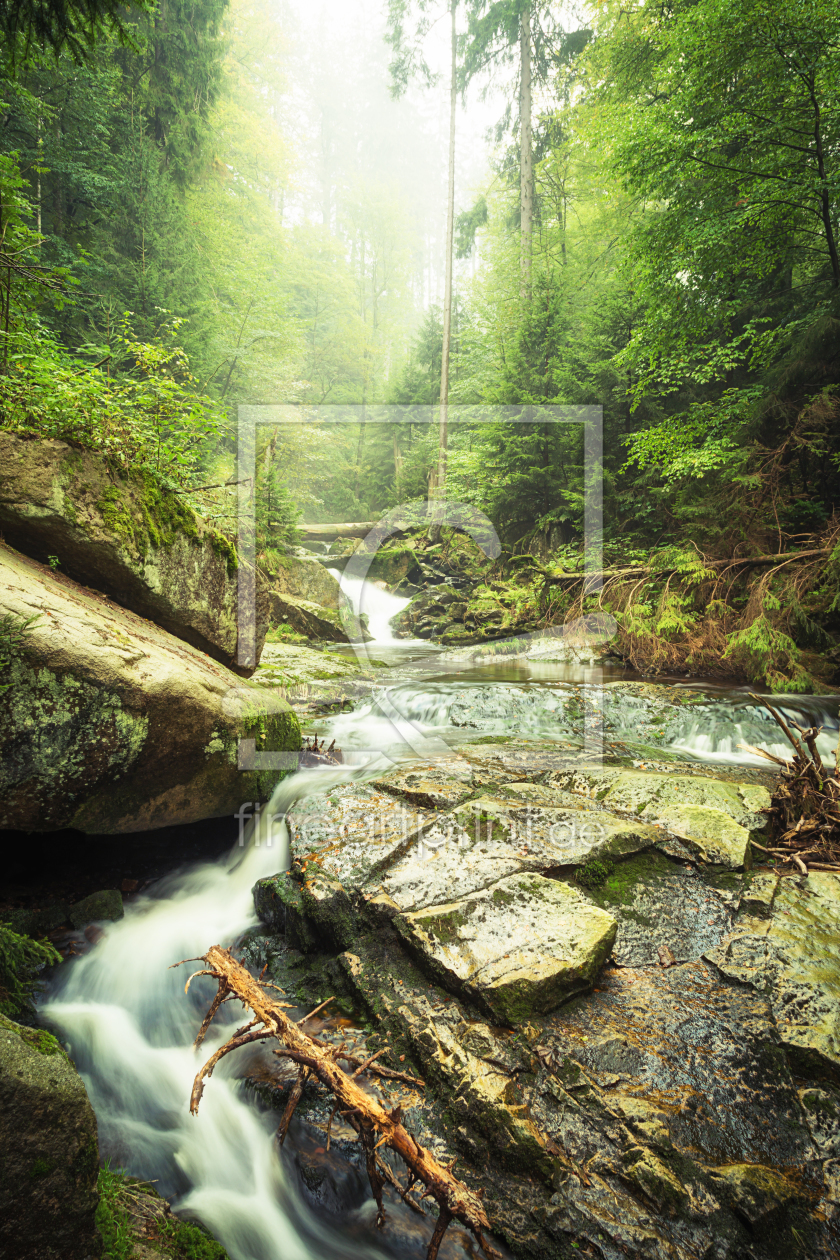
<point x="378" y="605"/>
<point x="129" y="1028"/>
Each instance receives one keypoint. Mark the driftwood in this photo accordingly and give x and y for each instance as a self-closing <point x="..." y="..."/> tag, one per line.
<point x="375" y="1126"/>
<point x="806" y="804"/>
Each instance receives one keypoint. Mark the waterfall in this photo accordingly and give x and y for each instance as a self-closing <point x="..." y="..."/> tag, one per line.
<point x="128" y="1026"/>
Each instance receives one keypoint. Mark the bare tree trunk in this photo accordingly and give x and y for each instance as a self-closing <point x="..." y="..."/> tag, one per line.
<point x="440" y="480"/>
<point x="526" y="155"/>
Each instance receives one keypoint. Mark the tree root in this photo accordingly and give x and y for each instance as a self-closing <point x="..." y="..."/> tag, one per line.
<point x="376" y="1126"/>
<point x="806" y="804"/>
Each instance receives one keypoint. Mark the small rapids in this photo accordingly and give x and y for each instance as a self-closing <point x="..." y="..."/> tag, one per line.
<point x="421" y="718"/>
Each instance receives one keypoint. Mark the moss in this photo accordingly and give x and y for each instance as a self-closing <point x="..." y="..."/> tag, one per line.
<point x="595" y="874"/>
<point x="41" y="1168"/>
<point x="617" y="888"/>
<point x="145" y="515"/>
<point x="132" y="1211"/>
<point x="224" y="547"/>
<point x="21" y="961"/>
<point x="46" y="1043"/>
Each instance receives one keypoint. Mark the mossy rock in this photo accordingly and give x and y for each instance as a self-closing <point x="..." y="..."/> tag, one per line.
<point x="49" y="1155"/>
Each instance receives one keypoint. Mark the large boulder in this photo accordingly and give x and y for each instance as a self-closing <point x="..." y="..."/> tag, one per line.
<point x="316" y="621"/>
<point x="49" y="1155"/>
<point x="126" y="536"/>
<point x="306" y="578"/>
<point x="306" y="617"/>
<point x="109" y="724"/>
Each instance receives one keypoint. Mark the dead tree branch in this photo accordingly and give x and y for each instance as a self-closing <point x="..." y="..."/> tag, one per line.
<point x="806" y="804"/>
<point x="375" y="1126"/>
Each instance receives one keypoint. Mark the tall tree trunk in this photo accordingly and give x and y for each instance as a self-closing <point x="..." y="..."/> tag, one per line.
<point x="440" y="480"/>
<point x="526" y="155"/>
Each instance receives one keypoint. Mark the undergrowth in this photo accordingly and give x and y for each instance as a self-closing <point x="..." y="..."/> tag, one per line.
<point x="129" y="1210"/>
<point x="21" y="960"/>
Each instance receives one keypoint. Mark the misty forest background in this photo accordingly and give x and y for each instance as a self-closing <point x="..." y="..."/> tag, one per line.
<point x="207" y="204"/>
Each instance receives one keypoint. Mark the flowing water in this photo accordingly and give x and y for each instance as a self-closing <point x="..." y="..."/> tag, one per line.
<point x="129" y="1026"/>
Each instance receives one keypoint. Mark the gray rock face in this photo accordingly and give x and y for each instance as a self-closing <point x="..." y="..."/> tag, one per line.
<point x="49" y="1155"/>
<point x="715" y="818"/>
<point x="519" y="947"/>
<point x="307" y="579"/>
<point x="110" y="724"/>
<point x="106" y="904"/>
<point x="127" y="538"/>
<point x="792" y="956"/>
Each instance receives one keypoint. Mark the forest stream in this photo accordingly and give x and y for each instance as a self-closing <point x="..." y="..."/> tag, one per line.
<point x="129" y="1027"/>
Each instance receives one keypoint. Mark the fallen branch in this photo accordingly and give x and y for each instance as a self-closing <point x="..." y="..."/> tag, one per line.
<point x="806" y="804"/>
<point x="374" y="1125"/>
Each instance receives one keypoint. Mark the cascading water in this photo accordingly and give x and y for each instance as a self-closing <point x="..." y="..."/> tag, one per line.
<point x="378" y="605"/>
<point x="130" y="1028"/>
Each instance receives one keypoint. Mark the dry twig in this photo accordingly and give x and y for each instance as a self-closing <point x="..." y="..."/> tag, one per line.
<point x="806" y="804"/>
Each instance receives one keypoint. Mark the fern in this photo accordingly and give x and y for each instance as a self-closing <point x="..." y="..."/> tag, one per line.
<point x="21" y="959"/>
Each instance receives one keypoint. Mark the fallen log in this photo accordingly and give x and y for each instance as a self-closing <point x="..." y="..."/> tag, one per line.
<point x="375" y="1126"/>
<point x="329" y="533"/>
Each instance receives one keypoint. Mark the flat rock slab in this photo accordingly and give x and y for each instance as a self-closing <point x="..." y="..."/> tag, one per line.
<point x="665" y="912"/>
<point x="483" y="840"/>
<point x="792" y="956"/>
<point x="715" y="818"/>
<point x="653" y="795"/>
<point x="290" y="665"/>
<point x="522" y="760"/>
<point x="352" y="832"/>
<point x="521" y="946"/>
<point x="436" y="784"/>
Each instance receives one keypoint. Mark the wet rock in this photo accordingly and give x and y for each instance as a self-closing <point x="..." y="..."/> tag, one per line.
<point x="353" y="831"/>
<point x="106" y="904"/>
<point x="485" y="839"/>
<point x="759" y="894"/>
<point x="48" y="1150"/>
<point x="713" y="817"/>
<point x="660" y="904"/>
<point x="313" y="911"/>
<point x="306" y="579"/>
<point x="110" y="724"/>
<point x="652" y="796"/>
<point x="518" y="759"/>
<point x="434" y="785"/>
<point x="792" y="957"/>
<point x="523" y="945"/>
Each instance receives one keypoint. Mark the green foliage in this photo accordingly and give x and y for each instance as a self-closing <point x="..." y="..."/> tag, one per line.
<point x="120" y="1197"/>
<point x="149" y="416"/>
<point x="21" y="959"/>
<point x="74" y="25"/>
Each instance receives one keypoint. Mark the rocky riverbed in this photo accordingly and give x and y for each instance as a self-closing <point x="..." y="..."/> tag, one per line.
<point x="628" y="1028"/>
